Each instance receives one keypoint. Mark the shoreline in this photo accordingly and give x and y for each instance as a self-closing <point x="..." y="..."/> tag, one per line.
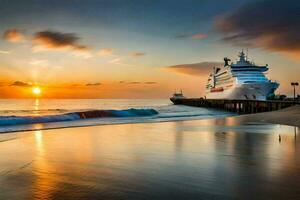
<point x="288" y="116"/>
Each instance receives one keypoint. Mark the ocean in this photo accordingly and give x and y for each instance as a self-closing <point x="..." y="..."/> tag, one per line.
<point x="39" y="114"/>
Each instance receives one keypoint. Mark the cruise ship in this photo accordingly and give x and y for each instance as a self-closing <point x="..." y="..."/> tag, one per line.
<point x="240" y="80"/>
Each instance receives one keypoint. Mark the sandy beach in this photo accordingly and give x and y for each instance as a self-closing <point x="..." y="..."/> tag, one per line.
<point x="225" y="158"/>
<point x="288" y="116"/>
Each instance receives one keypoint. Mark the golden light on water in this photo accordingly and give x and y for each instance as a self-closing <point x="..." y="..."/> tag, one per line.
<point x="36" y="91"/>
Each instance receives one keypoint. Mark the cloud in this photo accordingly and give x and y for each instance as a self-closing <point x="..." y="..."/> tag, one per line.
<point x="182" y="36"/>
<point x="93" y="84"/>
<point x="137" y="82"/>
<point x="20" y="84"/>
<point x="13" y="35"/>
<point x="273" y="25"/>
<point x="40" y="63"/>
<point x="138" y="54"/>
<point x="199" y="36"/>
<point x="134" y="82"/>
<point x="54" y="40"/>
<point x="196" y="69"/>
<point x="117" y="61"/>
<point x="106" y="52"/>
<point x="4" y="52"/>
<point x="150" y="82"/>
<point x="131" y="82"/>
<point x="83" y="54"/>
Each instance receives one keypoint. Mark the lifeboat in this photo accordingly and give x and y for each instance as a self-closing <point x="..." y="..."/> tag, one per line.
<point x="219" y="89"/>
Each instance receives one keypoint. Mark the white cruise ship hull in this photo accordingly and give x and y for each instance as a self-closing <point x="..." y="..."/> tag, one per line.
<point x="258" y="91"/>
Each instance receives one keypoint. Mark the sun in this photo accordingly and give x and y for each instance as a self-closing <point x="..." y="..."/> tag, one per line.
<point x="36" y="90"/>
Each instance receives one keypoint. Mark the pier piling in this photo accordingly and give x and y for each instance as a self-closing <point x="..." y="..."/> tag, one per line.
<point x="238" y="106"/>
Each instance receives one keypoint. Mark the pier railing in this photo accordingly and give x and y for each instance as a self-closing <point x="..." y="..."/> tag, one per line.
<point x="239" y="106"/>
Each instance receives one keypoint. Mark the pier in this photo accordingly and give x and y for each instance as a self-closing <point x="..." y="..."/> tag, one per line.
<point x="238" y="106"/>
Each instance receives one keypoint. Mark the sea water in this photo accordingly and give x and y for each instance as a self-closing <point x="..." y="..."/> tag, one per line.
<point x="37" y="114"/>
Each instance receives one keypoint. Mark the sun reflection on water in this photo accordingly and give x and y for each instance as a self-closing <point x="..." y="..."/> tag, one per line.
<point x="43" y="170"/>
<point x="39" y="142"/>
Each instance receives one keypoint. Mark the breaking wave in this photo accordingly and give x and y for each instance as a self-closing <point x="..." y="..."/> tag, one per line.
<point x="16" y="120"/>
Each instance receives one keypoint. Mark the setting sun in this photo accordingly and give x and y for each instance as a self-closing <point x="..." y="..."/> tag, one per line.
<point x="36" y="90"/>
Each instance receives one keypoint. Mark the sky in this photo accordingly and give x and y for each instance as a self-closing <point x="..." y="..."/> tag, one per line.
<point x="140" y="48"/>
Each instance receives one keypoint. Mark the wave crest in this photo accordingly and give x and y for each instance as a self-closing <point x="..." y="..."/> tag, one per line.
<point x="16" y="120"/>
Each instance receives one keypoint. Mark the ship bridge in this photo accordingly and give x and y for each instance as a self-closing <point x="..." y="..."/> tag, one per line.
<point x="247" y="72"/>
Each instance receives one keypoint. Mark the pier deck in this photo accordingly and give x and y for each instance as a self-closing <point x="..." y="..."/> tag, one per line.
<point x="238" y="106"/>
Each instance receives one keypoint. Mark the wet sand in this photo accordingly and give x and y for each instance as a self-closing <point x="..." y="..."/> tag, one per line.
<point x="228" y="158"/>
<point x="288" y="116"/>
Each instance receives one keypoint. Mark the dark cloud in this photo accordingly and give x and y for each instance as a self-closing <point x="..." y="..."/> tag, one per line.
<point x="134" y="82"/>
<point x="138" y="54"/>
<point x="93" y="84"/>
<point x="150" y="82"/>
<point x="20" y="84"/>
<point x="58" y="40"/>
<point x="273" y="25"/>
<point x="13" y="35"/>
<point x="196" y="69"/>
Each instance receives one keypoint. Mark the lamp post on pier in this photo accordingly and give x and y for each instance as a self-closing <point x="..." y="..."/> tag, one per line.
<point x="294" y="84"/>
